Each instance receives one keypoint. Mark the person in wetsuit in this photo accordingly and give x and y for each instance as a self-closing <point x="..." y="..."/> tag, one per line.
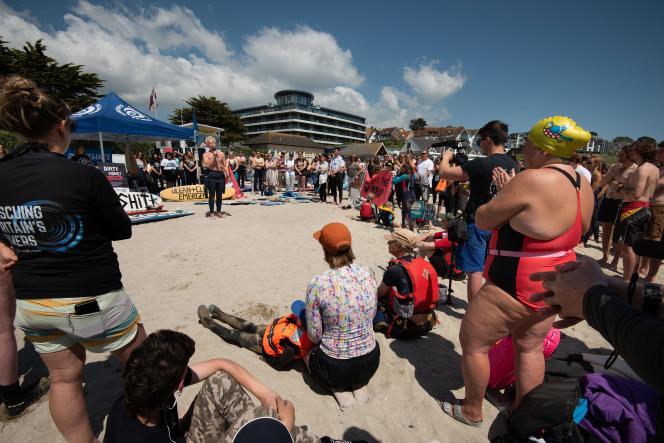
<point x="536" y="219"/>
<point x="217" y="166"/>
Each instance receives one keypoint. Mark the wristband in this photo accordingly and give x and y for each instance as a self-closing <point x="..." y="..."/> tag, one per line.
<point x="652" y="299"/>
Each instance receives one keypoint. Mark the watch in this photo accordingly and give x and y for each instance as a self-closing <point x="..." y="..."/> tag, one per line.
<point x="652" y="299"/>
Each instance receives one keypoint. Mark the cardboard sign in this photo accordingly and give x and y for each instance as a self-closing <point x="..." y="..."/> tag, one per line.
<point x="115" y="173"/>
<point x="133" y="202"/>
<point x="192" y="193"/>
<point x="380" y="185"/>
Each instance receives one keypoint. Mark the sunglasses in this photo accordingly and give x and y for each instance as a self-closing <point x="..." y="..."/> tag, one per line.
<point x="72" y="124"/>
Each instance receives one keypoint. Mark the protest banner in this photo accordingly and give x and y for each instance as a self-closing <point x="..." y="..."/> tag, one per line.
<point x="133" y="202"/>
<point x="192" y="193"/>
<point x="380" y="185"/>
<point x="115" y="173"/>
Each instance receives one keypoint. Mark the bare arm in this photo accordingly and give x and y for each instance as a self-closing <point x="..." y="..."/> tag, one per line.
<point x="203" y="370"/>
<point x="383" y="290"/>
<point x="508" y="202"/>
<point x="610" y="175"/>
<point x="448" y="172"/>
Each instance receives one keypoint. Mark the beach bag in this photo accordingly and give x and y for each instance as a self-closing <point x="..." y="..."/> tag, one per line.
<point x="417" y="209"/>
<point x="457" y="230"/>
<point x="546" y="412"/>
<point x="366" y="211"/>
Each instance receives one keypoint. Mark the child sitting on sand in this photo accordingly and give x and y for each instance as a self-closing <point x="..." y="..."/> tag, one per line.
<point x="280" y="343"/>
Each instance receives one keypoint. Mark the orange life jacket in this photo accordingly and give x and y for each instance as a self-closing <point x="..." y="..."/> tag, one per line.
<point x="285" y="328"/>
<point x="425" y="285"/>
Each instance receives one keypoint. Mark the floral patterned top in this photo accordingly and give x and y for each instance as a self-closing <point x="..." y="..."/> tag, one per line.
<point x="341" y="305"/>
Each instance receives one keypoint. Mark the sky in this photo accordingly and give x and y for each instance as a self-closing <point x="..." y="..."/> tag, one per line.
<point x="450" y="62"/>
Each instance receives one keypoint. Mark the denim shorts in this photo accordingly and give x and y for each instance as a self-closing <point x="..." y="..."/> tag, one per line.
<point x="470" y="254"/>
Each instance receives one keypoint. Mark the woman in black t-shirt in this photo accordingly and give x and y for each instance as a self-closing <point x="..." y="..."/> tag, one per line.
<point x="60" y="218"/>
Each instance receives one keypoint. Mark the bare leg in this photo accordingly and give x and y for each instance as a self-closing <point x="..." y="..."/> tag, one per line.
<point x="66" y="401"/>
<point x="9" y="366"/>
<point x="235" y="322"/>
<point x="236" y="337"/>
<point x="653" y="268"/>
<point x="475" y="282"/>
<point x="617" y="253"/>
<point x="607" y="232"/>
<point x="123" y="354"/>
<point x="629" y="262"/>
<point x="486" y="321"/>
<point x="528" y="338"/>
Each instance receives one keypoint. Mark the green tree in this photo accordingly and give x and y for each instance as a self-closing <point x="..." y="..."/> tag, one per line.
<point x="417" y="123"/>
<point x="622" y="139"/>
<point x="68" y="82"/>
<point x="211" y="111"/>
<point x="8" y="140"/>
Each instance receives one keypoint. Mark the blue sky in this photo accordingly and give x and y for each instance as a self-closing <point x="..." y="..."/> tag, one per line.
<point x="601" y="62"/>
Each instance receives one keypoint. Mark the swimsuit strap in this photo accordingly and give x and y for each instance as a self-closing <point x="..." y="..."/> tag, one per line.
<point x="576" y="183"/>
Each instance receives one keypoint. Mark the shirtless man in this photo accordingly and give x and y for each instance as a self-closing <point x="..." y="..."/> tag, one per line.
<point x="216" y="163"/>
<point x="614" y="180"/>
<point x="655" y="229"/>
<point x="634" y="211"/>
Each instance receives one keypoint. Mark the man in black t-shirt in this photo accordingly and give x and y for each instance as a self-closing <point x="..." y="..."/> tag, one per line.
<point x="82" y="157"/>
<point x="491" y="139"/>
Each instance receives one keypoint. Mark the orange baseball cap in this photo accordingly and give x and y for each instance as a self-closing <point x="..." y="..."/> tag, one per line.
<point x="333" y="237"/>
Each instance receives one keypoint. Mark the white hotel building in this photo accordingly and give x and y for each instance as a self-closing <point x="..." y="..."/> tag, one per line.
<point x="296" y="114"/>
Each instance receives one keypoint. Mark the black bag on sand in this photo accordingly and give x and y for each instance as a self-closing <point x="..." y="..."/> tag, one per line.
<point x="547" y="413"/>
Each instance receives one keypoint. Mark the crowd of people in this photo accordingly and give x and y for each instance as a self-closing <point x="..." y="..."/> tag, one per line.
<point x="521" y="226"/>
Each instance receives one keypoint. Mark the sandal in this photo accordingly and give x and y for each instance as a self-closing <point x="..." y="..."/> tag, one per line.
<point x="453" y="409"/>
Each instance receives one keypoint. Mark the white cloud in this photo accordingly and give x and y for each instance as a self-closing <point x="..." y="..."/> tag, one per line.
<point x="432" y="85"/>
<point x="136" y="49"/>
<point x="309" y="59"/>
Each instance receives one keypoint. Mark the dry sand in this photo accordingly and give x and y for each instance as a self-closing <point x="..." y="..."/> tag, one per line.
<point x="254" y="264"/>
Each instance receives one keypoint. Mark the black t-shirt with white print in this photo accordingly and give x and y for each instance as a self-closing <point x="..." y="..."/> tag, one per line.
<point x="60" y="217"/>
<point x="482" y="187"/>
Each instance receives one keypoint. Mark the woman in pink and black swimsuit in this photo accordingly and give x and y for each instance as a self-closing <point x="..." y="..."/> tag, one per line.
<point x="537" y="219"/>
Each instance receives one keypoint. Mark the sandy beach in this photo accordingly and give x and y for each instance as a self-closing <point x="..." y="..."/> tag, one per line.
<point x="254" y="263"/>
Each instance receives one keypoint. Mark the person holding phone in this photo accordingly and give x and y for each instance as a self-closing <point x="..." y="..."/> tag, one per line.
<point x="69" y="293"/>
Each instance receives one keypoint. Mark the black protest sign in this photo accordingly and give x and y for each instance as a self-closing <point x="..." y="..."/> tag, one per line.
<point x="115" y="173"/>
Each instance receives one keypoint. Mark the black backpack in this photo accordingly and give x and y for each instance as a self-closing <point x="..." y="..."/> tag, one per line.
<point x="547" y="413"/>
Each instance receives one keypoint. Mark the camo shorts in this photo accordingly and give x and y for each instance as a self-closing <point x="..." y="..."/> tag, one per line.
<point x="222" y="407"/>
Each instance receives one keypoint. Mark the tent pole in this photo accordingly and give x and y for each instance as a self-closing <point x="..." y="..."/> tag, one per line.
<point x="101" y="147"/>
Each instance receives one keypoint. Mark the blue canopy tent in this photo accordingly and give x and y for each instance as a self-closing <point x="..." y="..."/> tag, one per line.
<point x="112" y="118"/>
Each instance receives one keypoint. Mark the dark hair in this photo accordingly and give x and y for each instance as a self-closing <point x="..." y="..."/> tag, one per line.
<point x="154" y="369"/>
<point x="646" y="148"/>
<point x="661" y="144"/>
<point x="496" y="130"/>
<point x="27" y="110"/>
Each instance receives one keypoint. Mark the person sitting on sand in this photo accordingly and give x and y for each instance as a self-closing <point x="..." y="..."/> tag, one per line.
<point x="280" y="343"/>
<point x="408" y="293"/>
<point x="154" y="377"/>
<point x="340" y="307"/>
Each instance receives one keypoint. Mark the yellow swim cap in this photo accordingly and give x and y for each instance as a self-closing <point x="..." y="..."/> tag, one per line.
<point x="558" y="135"/>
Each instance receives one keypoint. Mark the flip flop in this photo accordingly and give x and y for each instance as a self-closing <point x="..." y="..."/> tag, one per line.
<point x="453" y="409"/>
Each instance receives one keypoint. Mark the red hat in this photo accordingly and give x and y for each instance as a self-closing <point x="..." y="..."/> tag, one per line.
<point x="333" y="237"/>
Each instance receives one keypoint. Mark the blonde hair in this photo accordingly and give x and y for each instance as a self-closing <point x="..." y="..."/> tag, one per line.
<point x="208" y="138"/>
<point x="27" y="110"/>
<point x="343" y="258"/>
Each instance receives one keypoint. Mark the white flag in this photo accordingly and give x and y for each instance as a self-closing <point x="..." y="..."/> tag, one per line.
<point x="153" y="101"/>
